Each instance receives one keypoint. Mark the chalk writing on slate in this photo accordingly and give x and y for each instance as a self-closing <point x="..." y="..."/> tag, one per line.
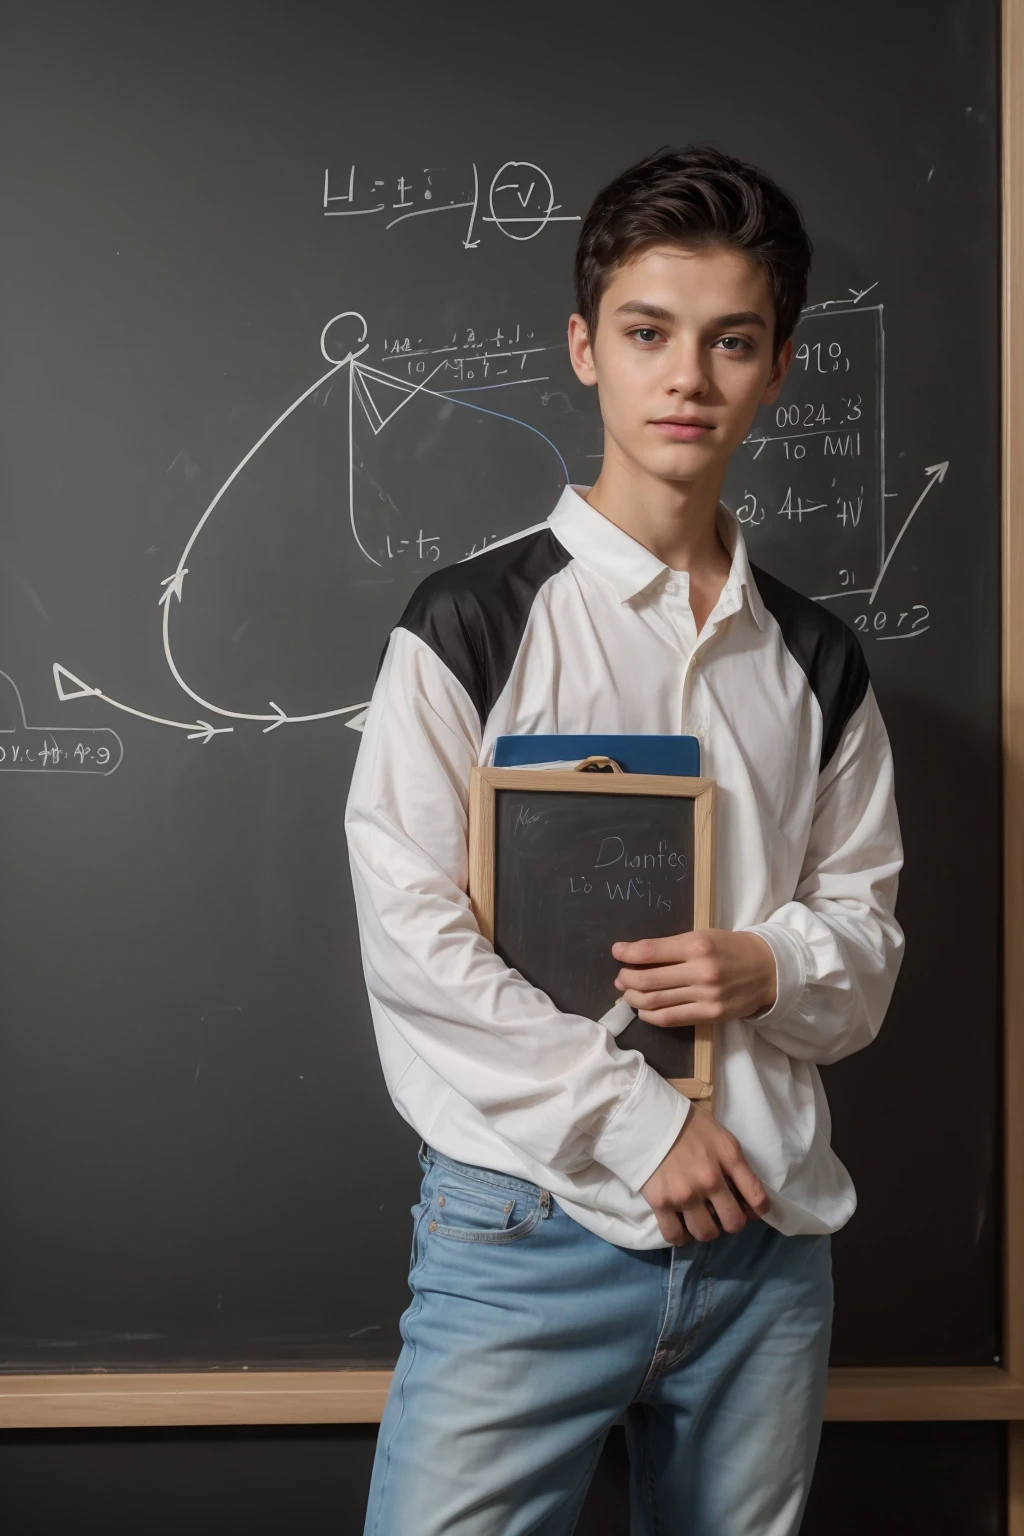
<point x="574" y="873"/>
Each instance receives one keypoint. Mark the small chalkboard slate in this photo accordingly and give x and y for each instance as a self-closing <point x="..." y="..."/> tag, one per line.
<point x="563" y="863"/>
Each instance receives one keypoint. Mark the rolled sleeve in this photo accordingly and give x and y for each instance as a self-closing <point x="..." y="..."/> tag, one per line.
<point x="837" y="944"/>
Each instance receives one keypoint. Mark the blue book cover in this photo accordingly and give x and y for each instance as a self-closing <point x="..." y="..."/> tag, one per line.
<point x="635" y="754"/>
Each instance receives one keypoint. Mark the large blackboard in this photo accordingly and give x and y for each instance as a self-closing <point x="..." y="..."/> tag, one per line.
<point x="212" y="514"/>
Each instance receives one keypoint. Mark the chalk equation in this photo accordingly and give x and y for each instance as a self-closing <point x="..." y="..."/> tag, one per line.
<point x="473" y="354"/>
<point x="520" y="199"/>
<point x="808" y="483"/>
<point x="28" y="748"/>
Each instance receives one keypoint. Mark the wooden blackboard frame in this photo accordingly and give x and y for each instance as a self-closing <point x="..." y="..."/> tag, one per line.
<point x="100" y="1399"/>
<point x="486" y="783"/>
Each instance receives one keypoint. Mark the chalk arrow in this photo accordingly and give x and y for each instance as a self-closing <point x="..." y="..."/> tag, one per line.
<point x="281" y="717"/>
<point x="173" y="584"/>
<point x="937" y="472"/>
<point x="198" y="730"/>
<point x="81" y="690"/>
<point x="209" y="731"/>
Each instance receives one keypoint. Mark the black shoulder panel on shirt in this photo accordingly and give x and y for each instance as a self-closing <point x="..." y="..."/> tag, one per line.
<point x="473" y="614"/>
<point x="827" y="651"/>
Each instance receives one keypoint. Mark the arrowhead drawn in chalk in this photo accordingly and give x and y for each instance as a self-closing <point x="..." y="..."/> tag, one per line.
<point x="173" y="584"/>
<point x="80" y="691"/>
<point x="938" y="470"/>
<point x="208" y="731"/>
<point x="281" y="717"/>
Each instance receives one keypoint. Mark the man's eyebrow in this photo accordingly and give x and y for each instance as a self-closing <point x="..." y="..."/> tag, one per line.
<point x="639" y="307"/>
<point x="742" y="317"/>
<point x="721" y="322"/>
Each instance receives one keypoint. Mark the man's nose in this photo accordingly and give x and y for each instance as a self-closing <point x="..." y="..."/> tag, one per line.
<point x="687" y="375"/>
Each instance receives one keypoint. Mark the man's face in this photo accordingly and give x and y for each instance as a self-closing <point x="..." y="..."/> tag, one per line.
<point x="682" y="357"/>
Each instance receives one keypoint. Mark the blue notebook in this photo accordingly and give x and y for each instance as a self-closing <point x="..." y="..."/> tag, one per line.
<point x="635" y="754"/>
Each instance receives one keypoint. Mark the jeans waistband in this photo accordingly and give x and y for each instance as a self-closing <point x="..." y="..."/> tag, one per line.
<point x="484" y="1175"/>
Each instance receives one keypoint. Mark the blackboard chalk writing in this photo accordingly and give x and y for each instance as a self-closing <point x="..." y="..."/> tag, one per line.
<point x="40" y="749"/>
<point x="520" y="200"/>
<point x="427" y="546"/>
<point x="906" y="624"/>
<point x="788" y="509"/>
<point x="847" y="582"/>
<point x="525" y="817"/>
<point x="471" y="355"/>
<point x="842" y="447"/>
<point x="801" y="415"/>
<point x="748" y="510"/>
<point x="850" y="510"/>
<point x="822" y="357"/>
<point x="813" y="464"/>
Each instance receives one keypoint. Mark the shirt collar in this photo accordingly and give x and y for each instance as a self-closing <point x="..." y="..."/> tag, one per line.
<point x="629" y="566"/>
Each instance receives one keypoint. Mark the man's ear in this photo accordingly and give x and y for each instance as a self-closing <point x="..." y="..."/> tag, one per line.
<point x="581" y="353"/>
<point x="778" y="374"/>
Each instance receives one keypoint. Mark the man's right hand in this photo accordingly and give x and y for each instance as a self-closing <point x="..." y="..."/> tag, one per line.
<point x="703" y="1167"/>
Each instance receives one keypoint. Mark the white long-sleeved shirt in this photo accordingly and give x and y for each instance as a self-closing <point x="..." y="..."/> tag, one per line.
<point x="574" y="626"/>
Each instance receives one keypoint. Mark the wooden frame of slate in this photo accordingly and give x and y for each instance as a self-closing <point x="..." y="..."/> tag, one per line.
<point x="596" y="908"/>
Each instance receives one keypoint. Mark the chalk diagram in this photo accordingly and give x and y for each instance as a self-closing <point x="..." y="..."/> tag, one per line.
<point x="380" y="396"/>
<point x="816" y="459"/>
<point x="831" y="433"/>
<point x="47" y="749"/>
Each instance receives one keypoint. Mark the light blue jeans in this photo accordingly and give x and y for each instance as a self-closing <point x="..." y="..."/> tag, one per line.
<point x="527" y="1337"/>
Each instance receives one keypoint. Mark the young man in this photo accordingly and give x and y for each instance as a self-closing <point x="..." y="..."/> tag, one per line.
<point x="587" y="1244"/>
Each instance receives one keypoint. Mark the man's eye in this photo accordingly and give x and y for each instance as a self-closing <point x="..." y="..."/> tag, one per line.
<point x="734" y="343"/>
<point x="644" y="333"/>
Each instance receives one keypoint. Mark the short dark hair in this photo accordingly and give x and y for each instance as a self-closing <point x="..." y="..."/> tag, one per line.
<point x="697" y="196"/>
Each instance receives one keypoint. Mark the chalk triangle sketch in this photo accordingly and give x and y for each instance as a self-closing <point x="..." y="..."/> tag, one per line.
<point x="81" y="690"/>
<point x="385" y="395"/>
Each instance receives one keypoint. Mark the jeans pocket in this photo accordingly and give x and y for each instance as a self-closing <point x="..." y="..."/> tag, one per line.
<point x="468" y="1210"/>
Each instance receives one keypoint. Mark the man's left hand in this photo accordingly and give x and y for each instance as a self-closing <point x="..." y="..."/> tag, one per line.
<point x="696" y="978"/>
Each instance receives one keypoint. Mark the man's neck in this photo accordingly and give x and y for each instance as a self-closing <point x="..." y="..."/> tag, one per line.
<point x="675" y="520"/>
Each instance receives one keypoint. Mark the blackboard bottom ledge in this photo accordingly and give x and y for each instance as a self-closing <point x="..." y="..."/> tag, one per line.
<point x="137" y="1400"/>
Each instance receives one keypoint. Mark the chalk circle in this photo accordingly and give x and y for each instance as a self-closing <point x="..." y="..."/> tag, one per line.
<point x="350" y="355"/>
<point x="521" y="217"/>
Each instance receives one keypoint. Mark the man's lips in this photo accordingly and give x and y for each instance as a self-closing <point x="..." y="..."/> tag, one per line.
<point x="683" y="428"/>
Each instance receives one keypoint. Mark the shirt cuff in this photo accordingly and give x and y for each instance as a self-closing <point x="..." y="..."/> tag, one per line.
<point x="792" y="968"/>
<point x="642" y="1129"/>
